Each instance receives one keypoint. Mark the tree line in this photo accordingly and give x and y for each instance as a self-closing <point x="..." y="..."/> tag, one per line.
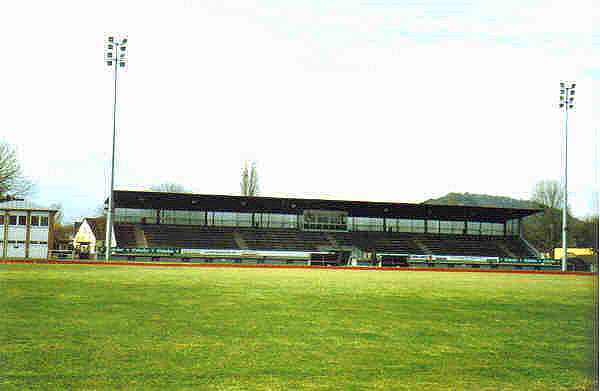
<point x="544" y="230"/>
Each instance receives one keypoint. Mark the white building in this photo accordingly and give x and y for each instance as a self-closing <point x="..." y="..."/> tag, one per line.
<point x="90" y="235"/>
<point x="25" y="229"/>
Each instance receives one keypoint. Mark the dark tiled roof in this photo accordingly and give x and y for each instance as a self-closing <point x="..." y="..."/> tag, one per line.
<point x="98" y="226"/>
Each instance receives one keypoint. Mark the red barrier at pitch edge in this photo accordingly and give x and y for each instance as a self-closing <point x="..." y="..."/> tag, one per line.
<point x="256" y="266"/>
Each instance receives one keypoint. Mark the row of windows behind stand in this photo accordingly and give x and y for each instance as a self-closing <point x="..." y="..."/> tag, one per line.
<point x="274" y="220"/>
<point x="36" y="221"/>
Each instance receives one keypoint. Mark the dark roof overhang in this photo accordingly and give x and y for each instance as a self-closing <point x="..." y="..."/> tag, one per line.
<point x="229" y="203"/>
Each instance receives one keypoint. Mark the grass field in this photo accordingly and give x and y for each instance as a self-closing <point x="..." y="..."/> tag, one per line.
<point x="117" y="327"/>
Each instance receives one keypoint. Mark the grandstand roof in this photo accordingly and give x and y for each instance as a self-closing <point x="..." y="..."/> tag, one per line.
<point x="228" y="203"/>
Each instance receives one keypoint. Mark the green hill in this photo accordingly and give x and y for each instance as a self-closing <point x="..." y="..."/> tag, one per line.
<point x="469" y="199"/>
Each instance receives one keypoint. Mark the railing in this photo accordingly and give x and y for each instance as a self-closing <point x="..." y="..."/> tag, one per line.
<point x="531" y="248"/>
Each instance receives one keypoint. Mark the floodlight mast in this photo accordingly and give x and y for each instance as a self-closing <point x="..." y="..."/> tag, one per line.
<point x="115" y="56"/>
<point x="567" y="101"/>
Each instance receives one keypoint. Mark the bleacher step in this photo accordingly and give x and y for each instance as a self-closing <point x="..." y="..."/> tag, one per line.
<point x="505" y="248"/>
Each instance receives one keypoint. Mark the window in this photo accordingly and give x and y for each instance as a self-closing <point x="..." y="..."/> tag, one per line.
<point x="196" y="217"/>
<point x="35" y="221"/>
<point x="486" y="228"/>
<point x="512" y="227"/>
<point x="243" y="219"/>
<point x="446" y="227"/>
<point x="325" y="220"/>
<point x="433" y="226"/>
<point x="12" y="220"/>
<point x="44" y="221"/>
<point x="168" y="217"/>
<point x="1" y="219"/>
<point x="275" y="220"/>
<point x="473" y="228"/>
<point x="128" y="215"/>
<point x="22" y="220"/>
<point x="452" y="227"/>
<point x="404" y="225"/>
<point x="497" y="229"/>
<point x="418" y="226"/>
<point x="226" y="219"/>
<point x="368" y="224"/>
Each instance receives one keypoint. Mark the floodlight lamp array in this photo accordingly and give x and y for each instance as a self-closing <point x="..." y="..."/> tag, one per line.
<point x="567" y="95"/>
<point x="115" y="53"/>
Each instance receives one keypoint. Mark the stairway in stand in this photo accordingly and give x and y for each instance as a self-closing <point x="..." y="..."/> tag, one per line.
<point x="140" y="238"/>
<point x="239" y="240"/>
<point x="423" y="248"/>
<point x="332" y="240"/>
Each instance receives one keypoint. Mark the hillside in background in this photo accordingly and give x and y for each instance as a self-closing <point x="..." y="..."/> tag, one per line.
<point x="469" y="199"/>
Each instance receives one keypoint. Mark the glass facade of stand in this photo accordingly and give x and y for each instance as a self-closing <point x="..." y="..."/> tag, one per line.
<point x="405" y="225"/>
<point x="312" y="220"/>
<point x="325" y="220"/>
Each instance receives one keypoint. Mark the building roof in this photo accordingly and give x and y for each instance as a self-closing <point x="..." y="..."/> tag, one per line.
<point x="228" y="203"/>
<point x="98" y="226"/>
<point x="24" y="205"/>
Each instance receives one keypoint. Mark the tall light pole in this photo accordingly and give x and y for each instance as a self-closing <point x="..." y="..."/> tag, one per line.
<point x="115" y="56"/>
<point x="567" y="102"/>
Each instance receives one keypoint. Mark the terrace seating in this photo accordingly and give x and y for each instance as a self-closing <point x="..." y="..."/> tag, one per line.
<point x="406" y="243"/>
<point x="182" y="236"/>
<point x="461" y="245"/>
<point x="185" y="236"/>
<point x="344" y="239"/>
<point x="517" y="247"/>
<point x="283" y="239"/>
<point x="125" y="235"/>
<point x="386" y="242"/>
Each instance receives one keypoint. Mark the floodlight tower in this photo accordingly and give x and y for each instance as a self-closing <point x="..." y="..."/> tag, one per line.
<point x="115" y="55"/>
<point x="567" y="102"/>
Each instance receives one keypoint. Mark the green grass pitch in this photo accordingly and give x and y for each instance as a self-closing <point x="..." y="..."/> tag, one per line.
<point x="117" y="327"/>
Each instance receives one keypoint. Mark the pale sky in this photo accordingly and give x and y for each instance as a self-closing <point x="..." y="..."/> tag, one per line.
<point x="364" y="100"/>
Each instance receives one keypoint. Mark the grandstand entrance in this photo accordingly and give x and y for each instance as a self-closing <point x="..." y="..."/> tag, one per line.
<point x="325" y="220"/>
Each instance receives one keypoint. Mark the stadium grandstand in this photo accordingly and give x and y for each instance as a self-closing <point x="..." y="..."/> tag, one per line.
<point x="224" y="228"/>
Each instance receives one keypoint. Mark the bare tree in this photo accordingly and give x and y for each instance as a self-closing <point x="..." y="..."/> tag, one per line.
<point x="12" y="180"/>
<point x="58" y="216"/>
<point x="544" y="229"/>
<point x="100" y="210"/>
<point x="549" y="193"/>
<point x="249" y="182"/>
<point x="62" y="232"/>
<point x="169" y="187"/>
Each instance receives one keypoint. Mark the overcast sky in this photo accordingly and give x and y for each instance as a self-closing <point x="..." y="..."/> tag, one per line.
<point x="367" y="100"/>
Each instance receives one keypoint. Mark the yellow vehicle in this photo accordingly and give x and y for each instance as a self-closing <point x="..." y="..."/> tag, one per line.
<point x="579" y="258"/>
<point x="574" y="252"/>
